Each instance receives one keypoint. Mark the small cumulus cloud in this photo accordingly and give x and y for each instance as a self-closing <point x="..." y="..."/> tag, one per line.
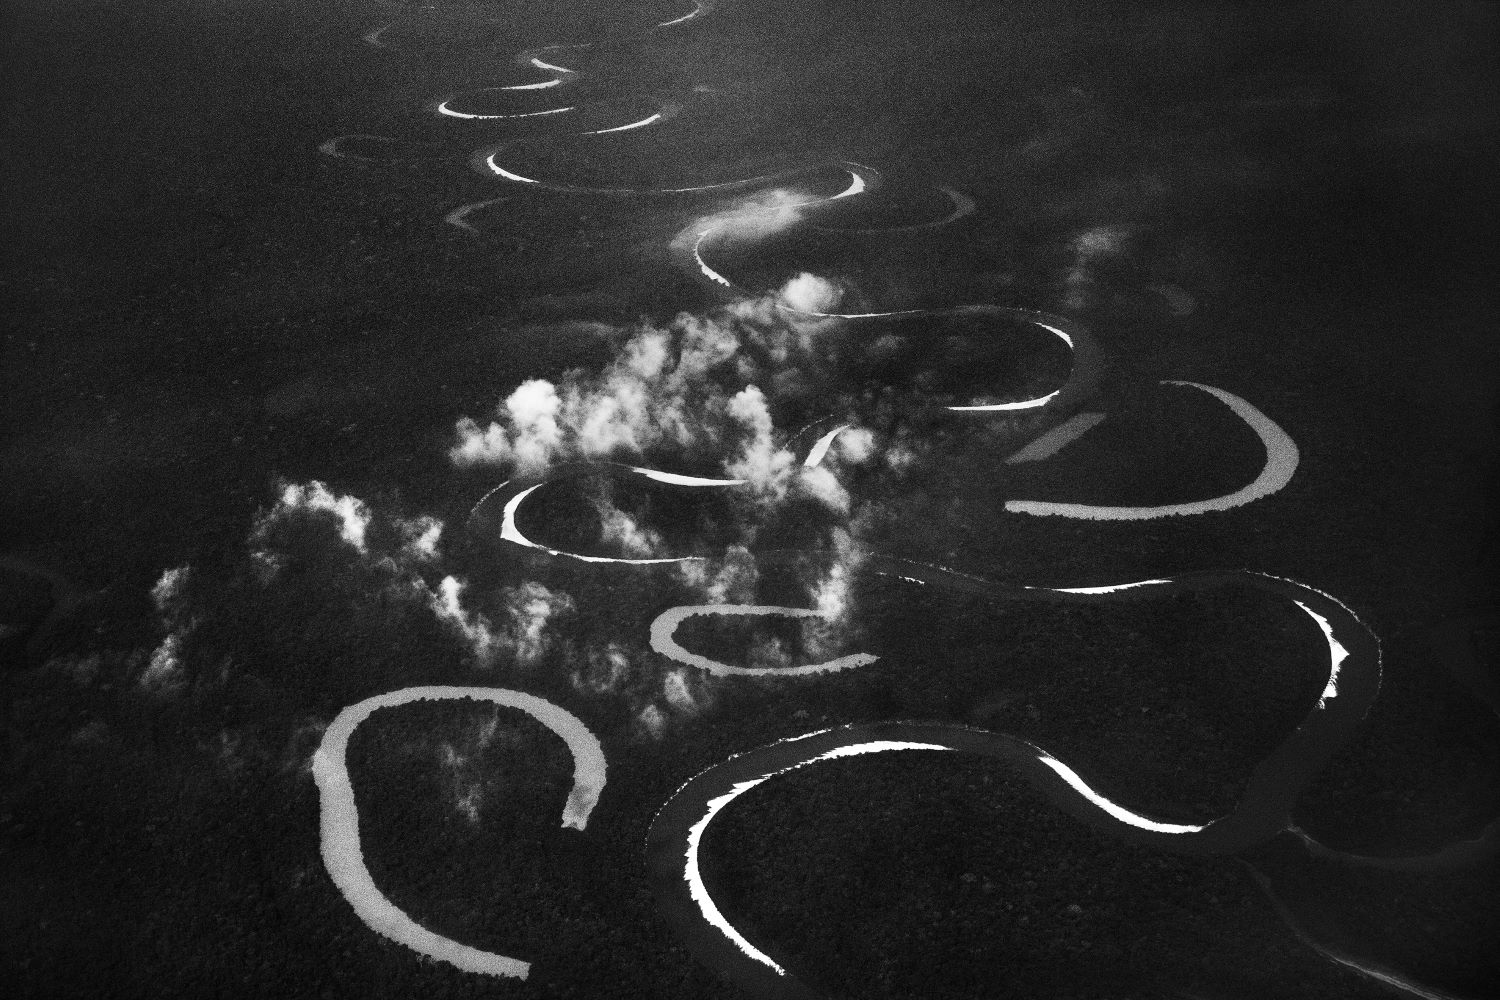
<point x="810" y="293"/>
<point x="462" y="763"/>
<point x="393" y="546"/>
<point x="623" y="533"/>
<point x="530" y="607"/>
<point x="517" y="629"/>
<point x="730" y="580"/>
<point x="700" y="388"/>
<point x="761" y="461"/>
<point x="474" y="627"/>
<point x="350" y="513"/>
<point x="768" y="652"/>
<point x="165" y="674"/>
<point x="675" y="695"/>
<point x="822" y="485"/>
<point x="652" y="721"/>
<point x="465" y="792"/>
<point x="678" y="692"/>
<point x="749" y="219"/>
<point x="832" y="593"/>
<point x="1100" y="241"/>
<point x="1090" y="249"/>
<point x="528" y="438"/>
<point x="420" y="537"/>
<point x="167" y="593"/>
<point x="602" y="670"/>
<point x="855" y="446"/>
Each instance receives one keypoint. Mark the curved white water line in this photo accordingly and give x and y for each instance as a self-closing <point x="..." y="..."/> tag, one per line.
<point x="554" y="82"/>
<point x="485" y="162"/>
<point x="677" y="479"/>
<point x="698" y="10"/>
<point x="707" y="271"/>
<point x="856" y="186"/>
<point x="509" y="531"/>
<point x="673" y="478"/>
<point x="506" y="174"/>
<point x="540" y="63"/>
<point x="460" y="215"/>
<point x="664" y="641"/>
<point x="1375" y="972"/>
<point x="342" y="853"/>
<point x="650" y="119"/>
<point x="443" y="109"/>
<point x="1337" y="651"/>
<point x="1281" y="462"/>
<point x="1024" y="404"/>
<point x="693" y="874"/>
<point x="1337" y="654"/>
<point x="488" y="493"/>
<point x="820" y="448"/>
<point x="962" y="204"/>
<point x="1114" y="809"/>
<point x="1113" y="588"/>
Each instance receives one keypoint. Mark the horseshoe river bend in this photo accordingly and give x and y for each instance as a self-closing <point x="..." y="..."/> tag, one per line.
<point x="749" y="499"/>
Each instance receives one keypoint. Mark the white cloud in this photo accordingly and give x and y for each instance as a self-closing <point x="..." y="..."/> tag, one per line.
<point x="833" y="595"/>
<point x="421" y="535"/>
<point x="1090" y="247"/>
<point x="673" y="392"/>
<point x="603" y="670"/>
<point x="811" y="293"/>
<point x="761" y="462"/>
<point x="821" y="484"/>
<point x="677" y="692"/>
<point x="731" y="581"/>
<point x="856" y="445"/>
<point x="168" y="591"/>
<point x="393" y="545"/>
<point x="530" y="607"/>
<point x="474" y="627"/>
<point x="518" y="629"/>
<point x="1101" y="241"/>
<point x="621" y="531"/>
<point x="653" y="720"/>
<point x="165" y="674"/>
<point x="480" y="445"/>
<point x="767" y="652"/>
<point x="352" y="514"/>
<point x="529" y="438"/>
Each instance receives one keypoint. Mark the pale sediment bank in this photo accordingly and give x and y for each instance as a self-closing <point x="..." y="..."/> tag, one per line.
<point x="664" y="641"/>
<point x="342" y="852"/>
<point x="1280" y="465"/>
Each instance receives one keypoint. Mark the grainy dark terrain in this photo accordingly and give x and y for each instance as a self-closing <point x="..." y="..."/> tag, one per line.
<point x="200" y="308"/>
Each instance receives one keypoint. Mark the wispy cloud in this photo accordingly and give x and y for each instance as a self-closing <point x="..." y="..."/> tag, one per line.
<point x="515" y="629"/>
<point x="700" y="388"/>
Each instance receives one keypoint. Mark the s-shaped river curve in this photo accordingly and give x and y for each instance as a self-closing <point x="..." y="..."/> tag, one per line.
<point x="676" y="835"/>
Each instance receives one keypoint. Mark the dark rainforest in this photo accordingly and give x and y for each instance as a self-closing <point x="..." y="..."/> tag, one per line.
<point x="737" y="498"/>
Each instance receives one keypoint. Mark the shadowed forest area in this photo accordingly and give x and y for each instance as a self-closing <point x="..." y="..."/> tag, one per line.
<point x="336" y="334"/>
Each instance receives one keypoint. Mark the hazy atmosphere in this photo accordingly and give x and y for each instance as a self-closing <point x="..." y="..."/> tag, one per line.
<point x="729" y="498"/>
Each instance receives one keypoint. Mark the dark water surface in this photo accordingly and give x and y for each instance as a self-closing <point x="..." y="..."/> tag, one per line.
<point x="204" y="314"/>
